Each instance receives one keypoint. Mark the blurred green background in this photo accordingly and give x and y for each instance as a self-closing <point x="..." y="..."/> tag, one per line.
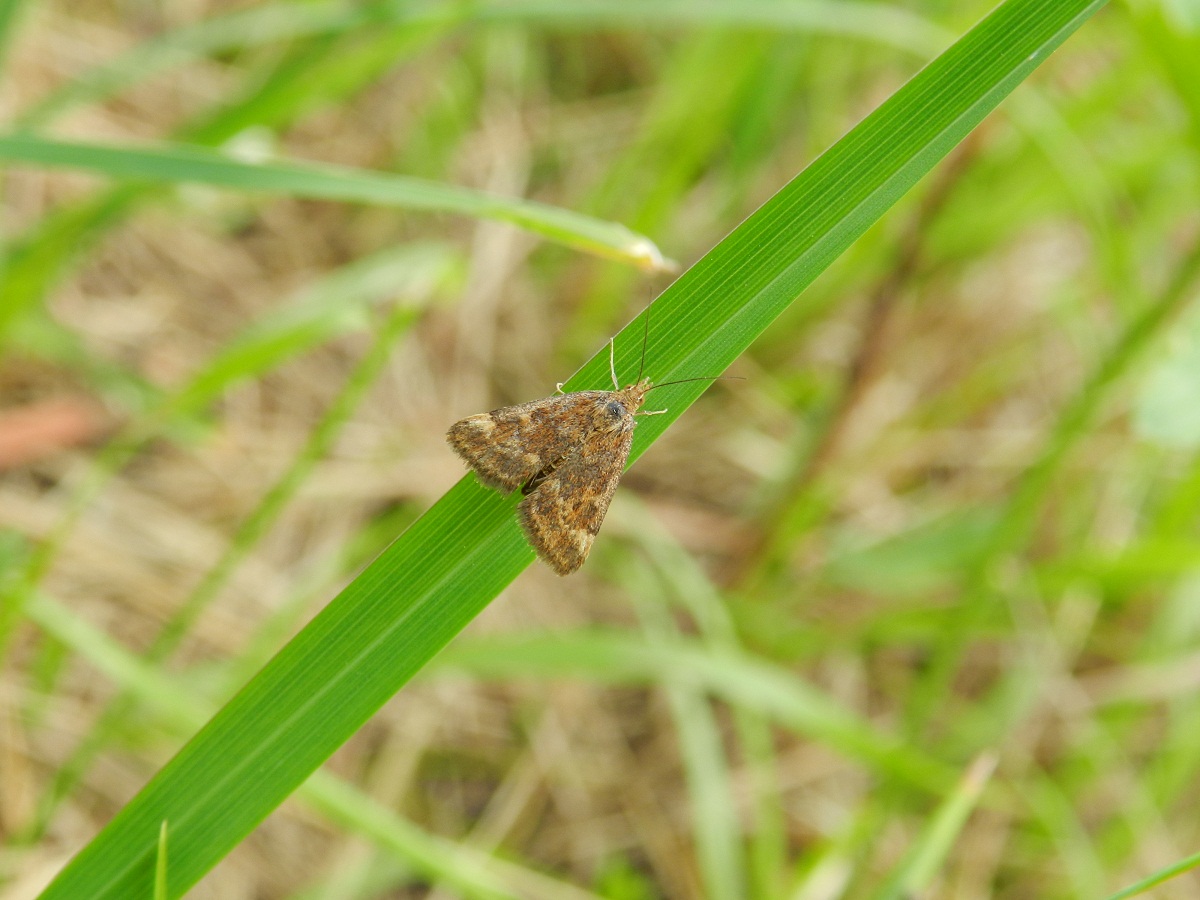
<point x="956" y="495"/>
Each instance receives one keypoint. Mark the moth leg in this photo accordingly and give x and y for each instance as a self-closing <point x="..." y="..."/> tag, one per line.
<point x="558" y="388"/>
<point x="651" y="412"/>
<point x="612" y="362"/>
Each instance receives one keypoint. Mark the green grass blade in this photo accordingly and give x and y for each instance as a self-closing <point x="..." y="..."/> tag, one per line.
<point x="764" y="822"/>
<point x="474" y="873"/>
<point x="738" y="679"/>
<point x="1015" y="523"/>
<point x="332" y="306"/>
<point x="337" y="672"/>
<point x="445" y="569"/>
<point x="9" y="10"/>
<point x="876" y="22"/>
<point x="336" y="305"/>
<point x="180" y="163"/>
<point x="273" y="96"/>
<point x="714" y="820"/>
<point x="1159" y="877"/>
<point x="276" y="23"/>
<point x="160" y="864"/>
<point x="221" y="34"/>
<point x="716" y="824"/>
<point x="930" y="852"/>
<point x="356" y="286"/>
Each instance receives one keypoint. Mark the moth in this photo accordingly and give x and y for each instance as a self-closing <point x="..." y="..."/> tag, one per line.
<point x="566" y="453"/>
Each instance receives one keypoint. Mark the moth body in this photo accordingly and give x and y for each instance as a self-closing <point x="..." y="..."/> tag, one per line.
<point x="566" y="453"/>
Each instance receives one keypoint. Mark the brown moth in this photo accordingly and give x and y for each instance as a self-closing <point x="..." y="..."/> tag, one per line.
<point x="566" y="453"/>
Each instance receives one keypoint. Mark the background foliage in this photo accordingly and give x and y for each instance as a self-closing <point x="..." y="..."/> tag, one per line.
<point x="945" y="530"/>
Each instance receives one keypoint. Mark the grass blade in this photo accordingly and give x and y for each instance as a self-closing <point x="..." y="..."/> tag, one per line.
<point x="276" y="23"/>
<point x="927" y="856"/>
<point x="178" y="708"/>
<point x="272" y="96"/>
<point x="9" y="9"/>
<point x="716" y="823"/>
<point x="356" y="286"/>
<point x="731" y="676"/>
<point x="160" y="865"/>
<point x="877" y="22"/>
<point x="181" y="163"/>
<point x="1159" y="877"/>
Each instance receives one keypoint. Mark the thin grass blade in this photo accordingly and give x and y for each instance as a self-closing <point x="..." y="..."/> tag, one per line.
<point x="182" y="164"/>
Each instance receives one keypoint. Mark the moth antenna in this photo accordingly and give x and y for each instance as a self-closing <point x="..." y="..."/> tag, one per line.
<point x="655" y="387"/>
<point x="612" y="362"/>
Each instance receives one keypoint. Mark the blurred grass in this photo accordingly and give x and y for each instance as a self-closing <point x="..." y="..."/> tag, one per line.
<point x="343" y="301"/>
<point x="181" y="712"/>
<point x="442" y="571"/>
<point x="193" y="165"/>
<point x="956" y="496"/>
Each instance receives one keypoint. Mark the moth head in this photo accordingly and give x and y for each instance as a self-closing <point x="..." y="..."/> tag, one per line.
<point x="616" y="410"/>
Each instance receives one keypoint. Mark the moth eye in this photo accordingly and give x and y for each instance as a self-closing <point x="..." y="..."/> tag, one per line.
<point x="616" y="410"/>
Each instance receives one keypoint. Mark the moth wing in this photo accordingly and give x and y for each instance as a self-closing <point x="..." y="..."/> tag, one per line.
<point x="562" y="517"/>
<point x="508" y="446"/>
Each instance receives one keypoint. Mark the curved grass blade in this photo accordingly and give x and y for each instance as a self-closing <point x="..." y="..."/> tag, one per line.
<point x="445" y="569"/>
<point x="273" y="95"/>
<point x="181" y="163"/>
